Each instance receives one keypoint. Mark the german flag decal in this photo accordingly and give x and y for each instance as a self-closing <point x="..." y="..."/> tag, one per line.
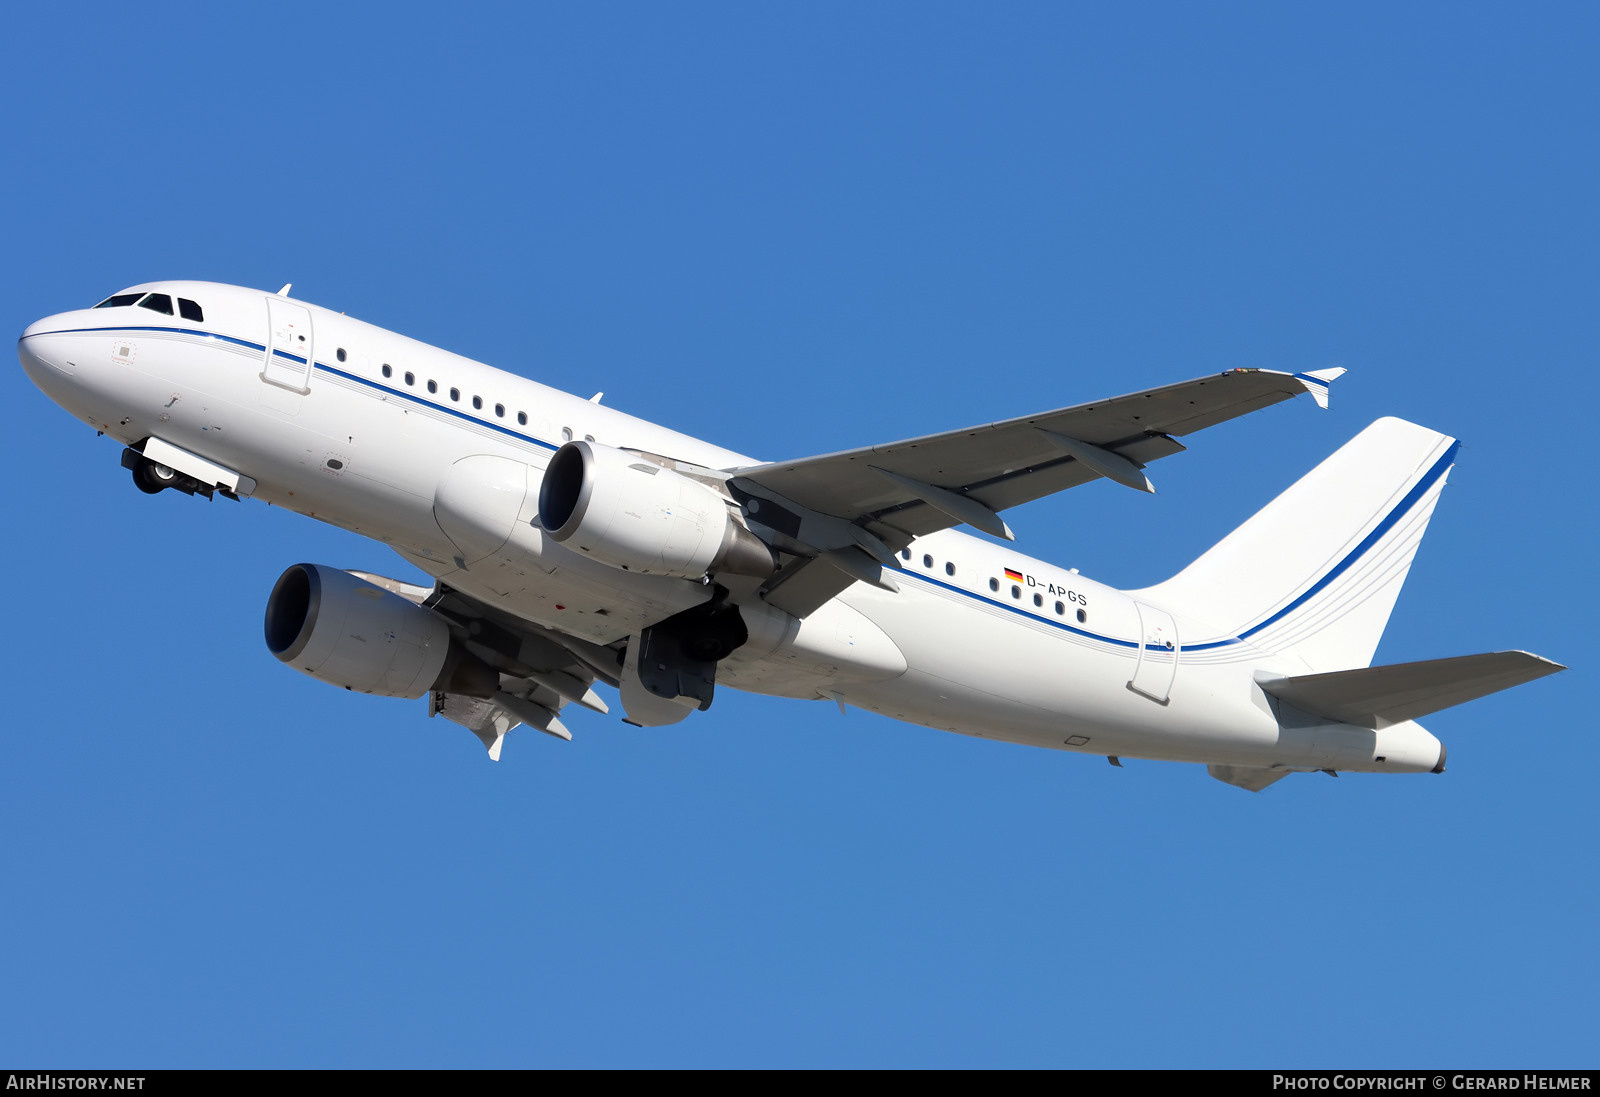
<point x="1014" y="576"/>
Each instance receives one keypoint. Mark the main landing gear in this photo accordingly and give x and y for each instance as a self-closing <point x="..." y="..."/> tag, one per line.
<point x="671" y="667"/>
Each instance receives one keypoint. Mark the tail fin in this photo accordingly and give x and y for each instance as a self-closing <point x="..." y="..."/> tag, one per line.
<point x="1317" y="571"/>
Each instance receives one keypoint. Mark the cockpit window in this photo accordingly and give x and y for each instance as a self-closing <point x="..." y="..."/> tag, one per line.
<point x="190" y="311"/>
<point x="157" y="302"/>
<point x="119" y="301"/>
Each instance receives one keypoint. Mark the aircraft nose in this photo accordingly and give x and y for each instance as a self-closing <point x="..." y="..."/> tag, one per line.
<point x="39" y="358"/>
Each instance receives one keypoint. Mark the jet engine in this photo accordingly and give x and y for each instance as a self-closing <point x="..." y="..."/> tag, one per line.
<point x="345" y="631"/>
<point x="637" y="515"/>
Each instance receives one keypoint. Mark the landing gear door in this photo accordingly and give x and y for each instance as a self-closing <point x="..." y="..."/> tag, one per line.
<point x="289" y="349"/>
<point x="1157" y="664"/>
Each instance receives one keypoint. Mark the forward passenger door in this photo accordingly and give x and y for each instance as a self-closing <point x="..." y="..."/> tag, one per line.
<point x="290" y="351"/>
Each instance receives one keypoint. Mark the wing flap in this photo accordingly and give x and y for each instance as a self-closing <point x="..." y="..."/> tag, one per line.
<point x="806" y="583"/>
<point x="481" y="717"/>
<point x="540" y="671"/>
<point x="1376" y="697"/>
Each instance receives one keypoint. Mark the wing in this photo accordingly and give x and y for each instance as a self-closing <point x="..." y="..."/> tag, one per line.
<point x="539" y="671"/>
<point x="852" y="510"/>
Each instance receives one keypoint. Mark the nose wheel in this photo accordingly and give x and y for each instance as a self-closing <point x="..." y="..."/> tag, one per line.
<point x="153" y="478"/>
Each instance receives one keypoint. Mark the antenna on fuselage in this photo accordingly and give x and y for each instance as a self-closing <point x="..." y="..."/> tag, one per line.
<point x="595" y="399"/>
<point x="284" y="292"/>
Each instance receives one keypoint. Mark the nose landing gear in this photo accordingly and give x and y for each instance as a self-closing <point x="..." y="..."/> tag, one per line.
<point x="153" y="478"/>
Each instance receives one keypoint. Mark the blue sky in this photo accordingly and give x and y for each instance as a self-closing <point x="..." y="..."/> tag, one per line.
<point x="792" y="231"/>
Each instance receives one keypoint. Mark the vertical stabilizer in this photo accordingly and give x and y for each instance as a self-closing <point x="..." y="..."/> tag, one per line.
<point x="1317" y="570"/>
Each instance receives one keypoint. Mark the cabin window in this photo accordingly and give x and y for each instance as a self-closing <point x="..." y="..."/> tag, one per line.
<point x="994" y="584"/>
<point x="455" y="394"/>
<point x="339" y="354"/>
<point x="119" y="301"/>
<point x="1038" y="599"/>
<point x="190" y="311"/>
<point x="522" y="418"/>
<point x="949" y="568"/>
<point x="1083" y="616"/>
<point x="1016" y="592"/>
<point x="1060" y="609"/>
<point x="388" y="370"/>
<point x="433" y="386"/>
<point x="411" y="378"/>
<point x="500" y="411"/>
<point x="566" y="434"/>
<point x="927" y="561"/>
<point x="905" y="554"/>
<point x="157" y="302"/>
<point x="477" y="402"/>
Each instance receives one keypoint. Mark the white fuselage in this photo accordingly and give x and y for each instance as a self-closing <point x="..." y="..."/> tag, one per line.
<point x="391" y="436"/>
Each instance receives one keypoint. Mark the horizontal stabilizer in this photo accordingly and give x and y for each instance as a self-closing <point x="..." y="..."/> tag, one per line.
<point x="1376" y="697"/>
<point x="1249" y="778"/>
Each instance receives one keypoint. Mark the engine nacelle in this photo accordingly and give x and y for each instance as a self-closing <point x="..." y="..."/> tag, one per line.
<point x="634" y="514"/>
<point x="347" y="632"/>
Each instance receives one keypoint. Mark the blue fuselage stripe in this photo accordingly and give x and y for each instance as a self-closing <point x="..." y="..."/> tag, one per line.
<point x="326" y="369"/>
<point x="437" y="407"/>
<point x="1338" y="569"/>
<point x="1018" y="610"/>
<point x="173" y="331"/>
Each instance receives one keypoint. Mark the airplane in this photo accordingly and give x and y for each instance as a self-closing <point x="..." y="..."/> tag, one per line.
<point x="572" y="545"/>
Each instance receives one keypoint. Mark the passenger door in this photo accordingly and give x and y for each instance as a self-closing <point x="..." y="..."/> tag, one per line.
<point x="1157" y="664"/>
<point x="289" y="345"/>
